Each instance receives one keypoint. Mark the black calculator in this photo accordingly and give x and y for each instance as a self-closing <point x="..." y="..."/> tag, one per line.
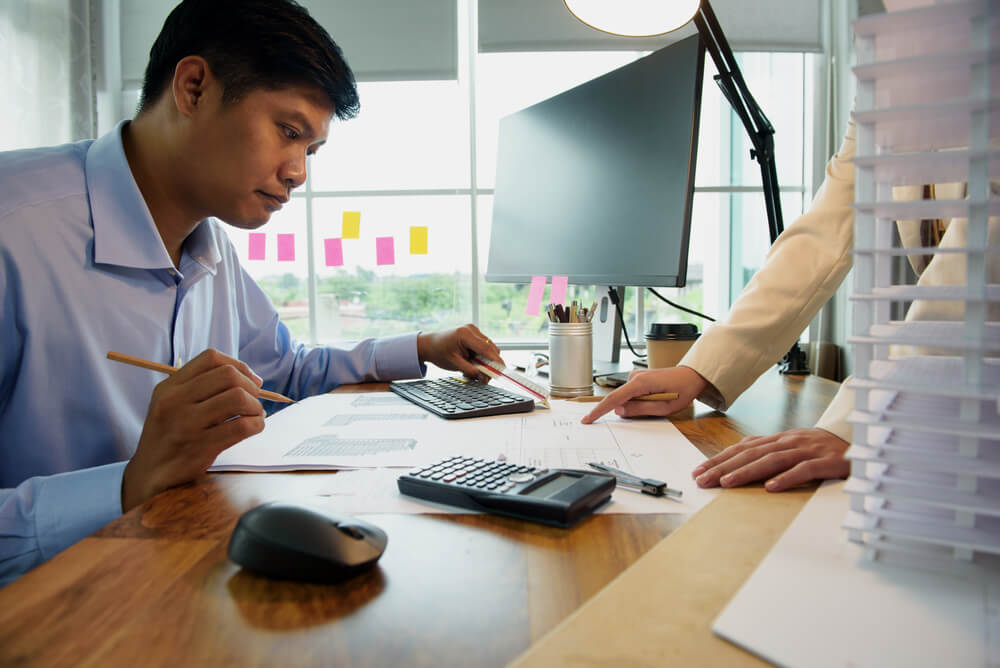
<point x="559" y="497"/>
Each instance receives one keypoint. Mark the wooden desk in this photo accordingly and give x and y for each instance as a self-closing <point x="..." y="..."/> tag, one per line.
<point x="155" y="587"/>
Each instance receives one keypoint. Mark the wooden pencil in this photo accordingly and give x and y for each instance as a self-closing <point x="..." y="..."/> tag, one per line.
<point x="164" y="368"/>
<point x="656" y="396"/>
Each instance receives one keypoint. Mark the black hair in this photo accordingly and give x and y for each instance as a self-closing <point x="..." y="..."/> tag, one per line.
<point x="251" y="44"/>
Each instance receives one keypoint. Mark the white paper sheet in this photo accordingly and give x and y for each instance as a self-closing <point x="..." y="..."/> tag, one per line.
<point x="399" y="434"/>
<point x="816" y="600"/>
<point x="331" y="431"/>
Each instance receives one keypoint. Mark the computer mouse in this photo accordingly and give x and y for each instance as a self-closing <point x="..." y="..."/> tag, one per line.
<point x="304" y="542"/>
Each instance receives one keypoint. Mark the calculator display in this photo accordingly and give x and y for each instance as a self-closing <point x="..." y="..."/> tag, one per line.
<point x="556" y="484"/>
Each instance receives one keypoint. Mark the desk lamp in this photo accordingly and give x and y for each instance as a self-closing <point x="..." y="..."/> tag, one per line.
<point x="648" y="18"/>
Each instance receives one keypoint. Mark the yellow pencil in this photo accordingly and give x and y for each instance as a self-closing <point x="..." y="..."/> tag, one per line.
<point x="656" y="396"/>
<point x="163" y="368"/>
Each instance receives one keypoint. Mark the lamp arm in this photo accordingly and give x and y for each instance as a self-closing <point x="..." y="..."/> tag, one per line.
<point x="758" y="128"/>
<point x="761" y="134"/>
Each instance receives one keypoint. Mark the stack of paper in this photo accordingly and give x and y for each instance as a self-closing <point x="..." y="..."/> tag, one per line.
<point x="925" y="477"/>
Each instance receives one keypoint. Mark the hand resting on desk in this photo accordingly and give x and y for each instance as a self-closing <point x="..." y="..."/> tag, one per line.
<point x="792" y="457"/>
<point x="788" y="459"/>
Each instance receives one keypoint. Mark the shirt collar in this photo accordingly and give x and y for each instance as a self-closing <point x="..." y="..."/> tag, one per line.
<point x="124" y="232"/>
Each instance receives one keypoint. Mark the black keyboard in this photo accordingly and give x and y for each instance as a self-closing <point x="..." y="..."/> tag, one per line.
<point x="456" y="397"/>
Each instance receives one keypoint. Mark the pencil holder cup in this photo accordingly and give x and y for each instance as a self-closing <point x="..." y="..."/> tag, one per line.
<point x="571" y="359"/>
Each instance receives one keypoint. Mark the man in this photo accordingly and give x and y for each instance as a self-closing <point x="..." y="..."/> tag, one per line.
<point x="113" y="245"/>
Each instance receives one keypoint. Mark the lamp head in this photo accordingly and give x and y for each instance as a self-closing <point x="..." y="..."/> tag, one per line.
<point x="634" y="18"/>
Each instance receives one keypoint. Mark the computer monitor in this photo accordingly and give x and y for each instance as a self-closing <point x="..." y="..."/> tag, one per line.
<point x="596" y="183"/>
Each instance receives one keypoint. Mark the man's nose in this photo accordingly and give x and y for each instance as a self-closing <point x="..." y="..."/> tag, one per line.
<point x="293" y="172"/>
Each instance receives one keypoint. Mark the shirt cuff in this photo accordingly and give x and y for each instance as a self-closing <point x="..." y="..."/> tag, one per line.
<point x="834" y="418"/>
<point x="396" y="358"/>
<point x="73" y="505"/>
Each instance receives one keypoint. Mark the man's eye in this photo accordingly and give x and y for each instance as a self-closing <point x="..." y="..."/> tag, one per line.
<point x="290" y="132"/>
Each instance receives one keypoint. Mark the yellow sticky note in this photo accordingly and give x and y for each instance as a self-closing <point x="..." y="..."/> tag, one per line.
<point x="418" y="240"/>
<point x="352" y="225"/>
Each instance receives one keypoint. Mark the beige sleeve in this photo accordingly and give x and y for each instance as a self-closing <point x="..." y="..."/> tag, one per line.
<point x="943" y="269"/>
<point x="803" y="269"/>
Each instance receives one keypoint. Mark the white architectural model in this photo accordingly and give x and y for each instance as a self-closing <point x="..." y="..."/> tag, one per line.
<point x="925" y="478"/>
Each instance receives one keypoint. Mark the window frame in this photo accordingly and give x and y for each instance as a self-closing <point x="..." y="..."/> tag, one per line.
<point x="729" y="232"/>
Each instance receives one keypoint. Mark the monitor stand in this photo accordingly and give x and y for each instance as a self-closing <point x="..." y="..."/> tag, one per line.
<point x="607" y="331"/>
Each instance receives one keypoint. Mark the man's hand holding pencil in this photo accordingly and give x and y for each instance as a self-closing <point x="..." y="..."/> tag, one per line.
<point x="198" y="411"/>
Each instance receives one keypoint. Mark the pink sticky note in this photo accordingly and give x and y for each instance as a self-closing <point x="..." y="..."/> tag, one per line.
<point x="385" y="252"/>
<point x="557" y="295"/>
<point x="334" y="252"/>
<point x="258" y="243"/>
<point x="535" y="294"/>
<point x="286" y="248"/>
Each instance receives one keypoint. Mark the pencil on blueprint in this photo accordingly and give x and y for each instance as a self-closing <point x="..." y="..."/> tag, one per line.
<point x="164" y="368"/>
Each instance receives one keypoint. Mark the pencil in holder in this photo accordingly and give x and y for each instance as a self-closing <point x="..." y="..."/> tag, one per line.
<point x="571" y="359"/>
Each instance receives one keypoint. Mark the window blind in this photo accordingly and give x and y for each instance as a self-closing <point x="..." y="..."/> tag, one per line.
<point x="383" y="40"/>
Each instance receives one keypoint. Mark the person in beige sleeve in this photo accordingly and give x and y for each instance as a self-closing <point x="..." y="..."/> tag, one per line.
<point x="804" y="267"/>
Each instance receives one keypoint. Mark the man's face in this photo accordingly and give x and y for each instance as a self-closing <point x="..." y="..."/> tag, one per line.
<point x="250" y="154"/>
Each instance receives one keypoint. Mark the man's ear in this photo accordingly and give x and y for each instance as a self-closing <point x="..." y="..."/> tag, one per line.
<point x="191" y="78"/>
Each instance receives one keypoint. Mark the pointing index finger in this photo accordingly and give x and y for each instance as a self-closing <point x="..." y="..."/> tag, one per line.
<point x="611" y="402"/>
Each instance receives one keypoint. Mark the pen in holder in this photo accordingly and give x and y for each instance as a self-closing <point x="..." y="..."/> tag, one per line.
<point x="571" y="359"/>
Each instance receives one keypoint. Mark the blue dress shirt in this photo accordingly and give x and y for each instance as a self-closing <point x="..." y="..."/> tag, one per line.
<point x="83" y="271"/>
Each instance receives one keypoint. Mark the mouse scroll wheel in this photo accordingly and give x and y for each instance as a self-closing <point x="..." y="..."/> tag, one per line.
<point x="351" y="531"/>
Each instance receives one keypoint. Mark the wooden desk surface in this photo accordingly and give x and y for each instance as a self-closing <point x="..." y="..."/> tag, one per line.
<point x="156" y="588"/>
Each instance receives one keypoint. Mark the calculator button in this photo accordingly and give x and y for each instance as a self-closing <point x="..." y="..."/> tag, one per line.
<point x="437" y="476"/>
<point x="520" y="477"/>
<point x="448" y="478"/>
<point x="426" y="474"/>
<point x="505" y="487"/>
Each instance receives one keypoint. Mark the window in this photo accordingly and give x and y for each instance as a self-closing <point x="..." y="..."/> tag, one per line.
<point x="415" y="171"/>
